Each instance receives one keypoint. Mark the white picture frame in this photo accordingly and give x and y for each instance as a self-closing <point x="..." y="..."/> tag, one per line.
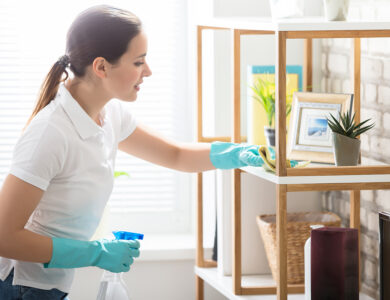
<point x="309" y="136"/>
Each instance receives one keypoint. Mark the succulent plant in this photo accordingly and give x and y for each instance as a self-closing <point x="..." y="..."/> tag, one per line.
<point x="346" y="125"/>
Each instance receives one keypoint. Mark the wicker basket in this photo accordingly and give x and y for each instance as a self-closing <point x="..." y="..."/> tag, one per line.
<point x="298" y="231"/>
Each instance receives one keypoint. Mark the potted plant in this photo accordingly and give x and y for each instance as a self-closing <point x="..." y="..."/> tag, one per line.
<point x="264" y="93"/>
<point x="346" y="145"/>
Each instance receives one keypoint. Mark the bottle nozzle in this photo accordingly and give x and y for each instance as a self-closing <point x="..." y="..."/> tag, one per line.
<point x="127" y="235"/>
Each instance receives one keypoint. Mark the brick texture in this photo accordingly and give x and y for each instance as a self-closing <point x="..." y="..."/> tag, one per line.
<point x="375" y="104"/>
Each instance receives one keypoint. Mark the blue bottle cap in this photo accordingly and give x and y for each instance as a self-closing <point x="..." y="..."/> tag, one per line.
<point x="127" y="235"/>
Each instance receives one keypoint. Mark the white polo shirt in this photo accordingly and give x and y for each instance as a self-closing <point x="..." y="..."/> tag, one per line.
<point x="66" y="154"/>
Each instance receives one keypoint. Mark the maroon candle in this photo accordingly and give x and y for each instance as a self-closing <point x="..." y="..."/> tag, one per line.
<point x="334" y="264"/>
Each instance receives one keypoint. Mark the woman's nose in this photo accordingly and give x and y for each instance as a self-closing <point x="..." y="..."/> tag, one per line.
<point x="147" y="71"/>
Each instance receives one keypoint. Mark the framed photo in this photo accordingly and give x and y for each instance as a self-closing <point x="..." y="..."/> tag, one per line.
<point x="309" y="137"/>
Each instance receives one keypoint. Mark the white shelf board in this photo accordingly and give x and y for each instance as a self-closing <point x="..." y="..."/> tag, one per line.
<point x="297" y="24"/>
<point x="224" y="285"/>
<point x="260" y="172"/>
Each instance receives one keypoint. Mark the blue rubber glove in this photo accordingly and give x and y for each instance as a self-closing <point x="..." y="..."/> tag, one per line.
<point x="112" y="255"/>
<point x="232" y="156"/>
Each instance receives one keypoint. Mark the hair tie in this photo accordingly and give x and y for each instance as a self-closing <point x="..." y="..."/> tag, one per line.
<point x="64" y="61"/>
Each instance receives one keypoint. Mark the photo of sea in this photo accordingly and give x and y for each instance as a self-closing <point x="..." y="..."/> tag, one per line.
<point x="317" y="127"/>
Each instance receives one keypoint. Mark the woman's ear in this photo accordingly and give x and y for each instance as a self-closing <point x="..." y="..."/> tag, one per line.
<point x="99" y="67"/>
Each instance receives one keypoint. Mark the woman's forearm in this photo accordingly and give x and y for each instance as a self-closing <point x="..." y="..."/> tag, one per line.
<point x="194" y="157"/>
<point x="26" y="245"/>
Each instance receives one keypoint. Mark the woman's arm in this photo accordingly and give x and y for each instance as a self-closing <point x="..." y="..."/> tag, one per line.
<point x="148" y="145"/>
<point x="18" y="200"/>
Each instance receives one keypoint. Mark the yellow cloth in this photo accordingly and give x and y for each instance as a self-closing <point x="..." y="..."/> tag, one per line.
<point x="270" y="163"/>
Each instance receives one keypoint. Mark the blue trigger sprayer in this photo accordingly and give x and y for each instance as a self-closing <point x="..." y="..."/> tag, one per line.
<point x="112" y="286"/>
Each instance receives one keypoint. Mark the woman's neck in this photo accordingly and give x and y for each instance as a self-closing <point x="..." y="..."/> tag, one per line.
<point x="90" y="97"/>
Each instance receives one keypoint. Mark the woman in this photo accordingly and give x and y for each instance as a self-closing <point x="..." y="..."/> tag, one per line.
<point x="62" y="169"/>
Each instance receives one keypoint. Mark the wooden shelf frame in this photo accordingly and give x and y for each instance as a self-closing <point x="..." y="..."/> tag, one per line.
<point x="282" y="288"/>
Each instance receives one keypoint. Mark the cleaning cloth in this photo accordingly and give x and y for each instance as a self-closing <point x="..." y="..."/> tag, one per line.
<point x="268" y="155"/>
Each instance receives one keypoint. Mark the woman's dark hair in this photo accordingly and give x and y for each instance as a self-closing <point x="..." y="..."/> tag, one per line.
<point x="99" y="31"/>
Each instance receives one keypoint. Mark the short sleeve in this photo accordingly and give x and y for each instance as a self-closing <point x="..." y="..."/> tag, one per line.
<point x="39" y="154"/>
<point x="128" y="122"/>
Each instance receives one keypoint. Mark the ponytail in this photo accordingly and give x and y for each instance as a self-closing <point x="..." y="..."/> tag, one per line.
<point x="49" y="87"/>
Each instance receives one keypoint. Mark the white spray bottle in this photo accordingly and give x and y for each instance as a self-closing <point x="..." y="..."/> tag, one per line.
<point x="112" y="286"/>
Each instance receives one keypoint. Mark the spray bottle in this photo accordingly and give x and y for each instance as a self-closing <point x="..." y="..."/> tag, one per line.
<point x="112" y="286"/>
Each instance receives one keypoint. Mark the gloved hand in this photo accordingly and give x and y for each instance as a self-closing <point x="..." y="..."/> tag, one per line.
<point x="232" y="156"/>
<point x="112" y="255"/>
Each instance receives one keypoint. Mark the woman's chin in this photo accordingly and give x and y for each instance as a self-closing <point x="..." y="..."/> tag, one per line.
<point x="130" y="98"/>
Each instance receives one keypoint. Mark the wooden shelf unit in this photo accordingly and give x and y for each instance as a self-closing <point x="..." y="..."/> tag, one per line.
<point x="312" y="178"/>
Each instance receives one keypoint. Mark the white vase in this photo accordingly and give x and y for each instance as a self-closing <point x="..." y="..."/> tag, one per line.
<point x="336" y="10"/>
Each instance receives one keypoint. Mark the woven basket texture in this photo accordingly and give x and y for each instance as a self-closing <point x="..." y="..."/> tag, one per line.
<point x="298" y="231"/>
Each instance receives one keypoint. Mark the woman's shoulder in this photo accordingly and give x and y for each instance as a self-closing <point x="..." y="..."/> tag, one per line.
<point x="49" y="121"/>
<point x="118" y="109"/>
<point x="51" y="118"/>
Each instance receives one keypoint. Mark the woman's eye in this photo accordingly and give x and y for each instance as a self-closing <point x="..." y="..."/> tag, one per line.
<point x="138" y="64"/>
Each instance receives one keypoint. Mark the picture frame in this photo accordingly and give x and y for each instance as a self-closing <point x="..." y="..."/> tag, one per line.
<point x="309" y="136"/>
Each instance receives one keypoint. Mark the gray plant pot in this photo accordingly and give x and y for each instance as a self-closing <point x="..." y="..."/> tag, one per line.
<point x="346" y="150"/>
<point x="269" y="135"/>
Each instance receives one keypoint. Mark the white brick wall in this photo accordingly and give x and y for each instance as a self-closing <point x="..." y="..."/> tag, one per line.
<point x="375" y="104"/>
<point x="386" y="122"/>
<point x="386" y="69"/>
<point x="383" y="199"/>
<point x="384" y="94"/>
<point x="370" y="93"/>
<point x="338" y="63"/>
<point x="371" y="68"/>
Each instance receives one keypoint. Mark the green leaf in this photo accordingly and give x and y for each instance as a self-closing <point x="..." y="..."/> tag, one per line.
<point x="346" y="125"/>
<point x="120" y="173"/>
<point x="343" y="120"/>
<point x="362" y="123"/>
<point x="362" y="130"/>
<point x="337" y="125"/>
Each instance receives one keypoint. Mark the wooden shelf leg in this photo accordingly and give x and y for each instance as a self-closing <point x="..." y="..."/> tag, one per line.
<point x="281" y="189"/>
<point x="281" y="228"/>
<point x="308" y="65"/>
<point x="280" y="104"/>
<point x="236" y="182"/>
<point x="199" y="83"/>
<point x="199" y="221"/>
<point x="355" y="195"/>
<point x="354" y="221"/>
<point x="199" y="288"/>
<point x="356" y="78"/>
<point x="236" y="214"/>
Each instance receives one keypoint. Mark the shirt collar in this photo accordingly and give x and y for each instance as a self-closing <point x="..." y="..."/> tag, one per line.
<point x="85" y="126"/>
